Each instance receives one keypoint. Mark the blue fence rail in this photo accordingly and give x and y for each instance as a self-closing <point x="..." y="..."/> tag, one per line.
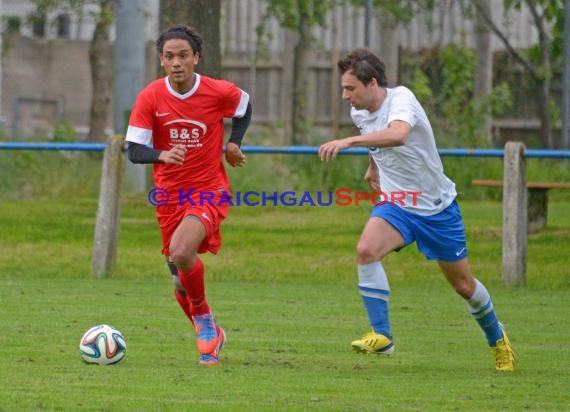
<point x="298" y="150"/>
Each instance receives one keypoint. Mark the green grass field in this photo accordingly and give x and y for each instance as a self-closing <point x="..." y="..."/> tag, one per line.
<point x="284" y="287"/>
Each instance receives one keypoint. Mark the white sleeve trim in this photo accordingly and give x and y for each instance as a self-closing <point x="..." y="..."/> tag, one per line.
<point x="242" y="106"/>
<point x="139" y="135"/>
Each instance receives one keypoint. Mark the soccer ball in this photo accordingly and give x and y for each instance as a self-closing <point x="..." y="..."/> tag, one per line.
<point x="103" y="345"/>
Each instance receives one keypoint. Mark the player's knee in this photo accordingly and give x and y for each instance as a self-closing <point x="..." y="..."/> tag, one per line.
<point x="463" y="288"/>
<point x="183" y="261"/>
<point x="367" y="253"/>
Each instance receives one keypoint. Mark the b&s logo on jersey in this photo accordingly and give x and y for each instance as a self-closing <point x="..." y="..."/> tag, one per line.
<point x="186" y="132"/>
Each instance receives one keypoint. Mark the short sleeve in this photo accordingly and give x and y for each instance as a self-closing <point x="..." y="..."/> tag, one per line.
<point x="402" y="107"/>
<point x="236" y="100"/>
<point x="141" y="120"/>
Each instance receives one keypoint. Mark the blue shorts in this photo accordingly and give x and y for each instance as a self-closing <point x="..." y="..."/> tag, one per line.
<point x="438" y="237"/>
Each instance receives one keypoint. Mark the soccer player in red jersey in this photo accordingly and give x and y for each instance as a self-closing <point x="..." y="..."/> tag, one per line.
<point x="177" y="124"/>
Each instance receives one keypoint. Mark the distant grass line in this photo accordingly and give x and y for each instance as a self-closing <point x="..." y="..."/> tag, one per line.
<point x="34" y="175"/>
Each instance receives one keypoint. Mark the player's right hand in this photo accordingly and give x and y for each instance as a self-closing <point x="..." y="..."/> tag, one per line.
<point x="174" y="156"/>
<point x="329" y="150"/>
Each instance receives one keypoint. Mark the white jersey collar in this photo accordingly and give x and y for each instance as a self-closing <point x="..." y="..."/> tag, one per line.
<point x="188" y="93"/>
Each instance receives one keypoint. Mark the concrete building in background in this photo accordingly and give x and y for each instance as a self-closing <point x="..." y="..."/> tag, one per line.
<point x="67" y="23"/>
<point x="45" y="67"/>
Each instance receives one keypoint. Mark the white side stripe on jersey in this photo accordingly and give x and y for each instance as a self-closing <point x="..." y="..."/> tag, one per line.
<point x="139" y="135"/>
<point x="242" y="106"/>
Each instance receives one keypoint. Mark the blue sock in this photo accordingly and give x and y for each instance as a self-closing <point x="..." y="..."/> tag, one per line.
<point x="482" y="310"/>
<point x="375" y="291"/>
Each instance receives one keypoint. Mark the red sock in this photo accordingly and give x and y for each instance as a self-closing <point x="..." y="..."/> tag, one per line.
<point x="184" y="303"/>
<point x="193" y="282"/>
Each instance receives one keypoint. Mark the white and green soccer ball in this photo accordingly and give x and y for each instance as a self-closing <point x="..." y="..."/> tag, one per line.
<point x="103" y="345"/>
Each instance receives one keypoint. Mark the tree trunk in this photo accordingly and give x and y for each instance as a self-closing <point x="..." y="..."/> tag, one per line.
<point x="543" y="77"/>
<point x="301" y="92"/>
<point x="335" y="112"/>
<point x="172" y="12"/>
<point x="541" y="74"/>
<point x="484" y="71"/>
<point x="286" y="85"/>
<point x="101" y="60"/>
<point x="204" y="16"/>
<point x="389" y="46"/>
<point x="546" y="127"/>
<point x="545" y="132"/>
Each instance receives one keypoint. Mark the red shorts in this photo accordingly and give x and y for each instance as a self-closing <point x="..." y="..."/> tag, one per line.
<point x="211" y="215"/>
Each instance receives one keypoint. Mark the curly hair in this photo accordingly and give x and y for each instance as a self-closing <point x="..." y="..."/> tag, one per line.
<point x="365" y="65"/>
<point x="181" y="32"/>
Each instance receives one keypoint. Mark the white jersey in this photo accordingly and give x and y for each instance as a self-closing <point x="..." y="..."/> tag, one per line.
<point x="413" y="167"/>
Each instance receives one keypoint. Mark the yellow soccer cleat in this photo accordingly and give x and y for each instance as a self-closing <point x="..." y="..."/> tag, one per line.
<point x="504" y="354"/>
<point x="374" y="343"/>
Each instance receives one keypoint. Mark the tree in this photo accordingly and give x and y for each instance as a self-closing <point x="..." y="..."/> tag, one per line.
<point x="484" y="69"/>
<point x="204" y="16"/>
<point x="99" y="56"/>
<point x="390" y="15"/>
<point x="299" y="16"/>
<point x="537" y="63"/>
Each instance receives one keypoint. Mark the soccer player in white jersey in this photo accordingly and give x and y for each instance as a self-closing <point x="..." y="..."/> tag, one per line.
<point x="418" y="204"/>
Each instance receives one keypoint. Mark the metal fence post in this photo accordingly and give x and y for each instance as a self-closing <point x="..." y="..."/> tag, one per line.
<point x="108" y="211"/>
<point x="514" y="215"/>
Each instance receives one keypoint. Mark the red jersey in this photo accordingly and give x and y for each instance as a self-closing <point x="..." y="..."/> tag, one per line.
<point x="165" y="118"/>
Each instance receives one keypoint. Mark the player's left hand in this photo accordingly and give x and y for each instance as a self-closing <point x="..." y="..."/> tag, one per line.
<point x="234" y="155"/>
<point x="329" y="150"/>
<point x="372" y="177"/>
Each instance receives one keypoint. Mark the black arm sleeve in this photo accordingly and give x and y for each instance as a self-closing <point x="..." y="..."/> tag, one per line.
<point x="240" y="125"/>
<point x="139" y="153"/>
